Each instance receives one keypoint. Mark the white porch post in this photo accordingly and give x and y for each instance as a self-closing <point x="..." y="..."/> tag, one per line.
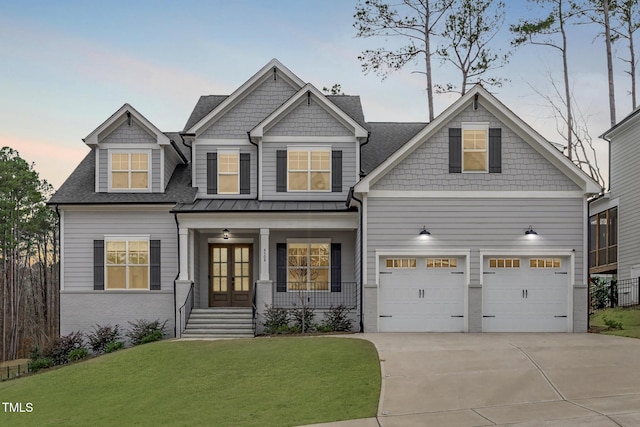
<point x="183" y="284"/>
<point x="184" y="253"/>
<point x="264" y="296"/>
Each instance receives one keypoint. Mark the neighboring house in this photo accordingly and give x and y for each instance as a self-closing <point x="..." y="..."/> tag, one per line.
<point x="279" y="195"/>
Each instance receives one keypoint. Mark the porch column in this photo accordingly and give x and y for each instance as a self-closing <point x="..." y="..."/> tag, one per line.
<point x="264" y="254"/>
<point x="184" y="253"/>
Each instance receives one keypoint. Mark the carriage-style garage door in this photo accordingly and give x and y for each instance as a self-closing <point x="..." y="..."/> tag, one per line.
<point x="525" y="294"/>
<point x="422" y="294"/>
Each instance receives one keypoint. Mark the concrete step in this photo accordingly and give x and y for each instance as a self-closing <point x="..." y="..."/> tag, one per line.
<point x="216" y="316"/>
<point x="217" y="333"/>
<point x="221" y="321"/>
<point x="232" y="326"/>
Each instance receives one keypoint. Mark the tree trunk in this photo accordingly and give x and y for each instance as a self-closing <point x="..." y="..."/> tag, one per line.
<point x="607" y="39"/>
<point x="427" y="60"/>
<point x="567" y="90"/>
<point x="632" y="64"/>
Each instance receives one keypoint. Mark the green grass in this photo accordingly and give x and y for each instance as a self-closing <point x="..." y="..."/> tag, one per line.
<point x="628" y="317"/>
<point x="255" y="382"/>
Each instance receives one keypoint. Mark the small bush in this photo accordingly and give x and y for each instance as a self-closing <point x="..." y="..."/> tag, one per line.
<point x="276" y="320"/>
<point x="337" y="319"/>
<point x="303" y="318"/>
<point x="143" y="330"/>
<point x="114" y="346"/>
<point x="77" y="354"/>
<point x="102" y="336"/>
<point x="59" y="348"/>
<point x="35" y="353"/>
<point x="323" y="328"/>
<point x="612" y="323"/>
<point x="39" y="363"/>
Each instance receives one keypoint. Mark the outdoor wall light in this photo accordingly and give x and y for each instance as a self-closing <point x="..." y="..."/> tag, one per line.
<point x="531" y="232"/>
<point x="424" y="232"/>
<point x="225" y="234"/>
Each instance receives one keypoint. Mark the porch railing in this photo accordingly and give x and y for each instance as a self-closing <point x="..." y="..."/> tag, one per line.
<point x="616" y="293"/>
<point x="316" y="295"/>
<point x="185" y="310"/>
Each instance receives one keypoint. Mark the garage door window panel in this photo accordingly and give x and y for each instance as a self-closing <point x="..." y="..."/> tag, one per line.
<point x="504" y="263"/>
<point x="441" y="263"/>
<point x="545" y="263"/>
<point x="396" y="263"/>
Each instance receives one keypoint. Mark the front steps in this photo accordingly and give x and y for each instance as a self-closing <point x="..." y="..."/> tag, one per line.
<point x="219" y="322"/>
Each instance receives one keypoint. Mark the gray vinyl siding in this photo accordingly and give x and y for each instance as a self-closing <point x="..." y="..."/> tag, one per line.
<point x="82" y="228"/>
<point x="125" y="134"/>
<point x="309" y="120"/>
<point x="200" y="179"/>
<point x="625" y="186"/>
<point x="523" y="168"/>
<point x="83" y="310"/>
<point x="475" y="224"/>
<point x="155" y="172"/>
<point x="103" y="173"/>
<point x="171" y="160"/>
<point x="269" y="172"/>
<point x="251" y="110"/>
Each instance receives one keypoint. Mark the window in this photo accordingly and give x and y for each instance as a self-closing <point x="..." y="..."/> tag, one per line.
<point x="474" y="148"/>
<point x="545" y="263"/>
<point x="127" y="264"/>
<point x="308" y="266"/>
<point x="129" y="171"/>
<point x="401" y="263"/>
<point x="228" y="173"/>
<point x="504" y="263"/>
<point x="442" y="263"/>
<point x="603" y="241"/>
<point x="309" y="170"/>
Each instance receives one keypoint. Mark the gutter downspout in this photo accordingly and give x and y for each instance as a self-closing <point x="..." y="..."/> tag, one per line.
<point x="351" y="196"/>
<point x="175" y="316"/>
<point x="362" y="174"/>
<point x="59" y="263"/>
<point x="257" y="162"/>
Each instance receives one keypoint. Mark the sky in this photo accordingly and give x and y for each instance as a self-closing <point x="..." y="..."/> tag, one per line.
<point x="68" y="65"/>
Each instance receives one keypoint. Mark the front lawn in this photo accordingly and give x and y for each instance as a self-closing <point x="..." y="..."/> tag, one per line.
<point x="629" y="318"/>
<point x="251" y="382"/>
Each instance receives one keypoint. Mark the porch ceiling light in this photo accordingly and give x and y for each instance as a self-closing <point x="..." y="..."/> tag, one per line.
<point x="424" y="232"/>
<point x="225" y="234"/>
<point x="531" y="232"/>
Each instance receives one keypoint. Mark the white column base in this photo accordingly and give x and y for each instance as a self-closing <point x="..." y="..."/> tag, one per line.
<point x="264" y="300"/>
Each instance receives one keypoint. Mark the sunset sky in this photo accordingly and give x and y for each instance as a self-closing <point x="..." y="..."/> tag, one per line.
<point x="68" y="65"/>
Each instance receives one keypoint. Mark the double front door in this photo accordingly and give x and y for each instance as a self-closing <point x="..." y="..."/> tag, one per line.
<point x="230" y="275"/>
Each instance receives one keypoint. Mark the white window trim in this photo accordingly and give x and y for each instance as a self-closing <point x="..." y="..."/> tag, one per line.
<point x="220" y="152"/>
<point x="149" y="154"/>
<point x="127" y="239"/>
<point x="309" y="149"/>
<point x="474" y="126"/>
<point x="309" y="242"/>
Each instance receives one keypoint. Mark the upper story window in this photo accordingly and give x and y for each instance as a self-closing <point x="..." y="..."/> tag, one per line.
<point x="475" y="147"/>
<point x="129" y="170"/>
<point x="127" y="264"/>
<point x="228" y="172"/>
<point x="603" y="241"/>
<point x="309" y="170"/>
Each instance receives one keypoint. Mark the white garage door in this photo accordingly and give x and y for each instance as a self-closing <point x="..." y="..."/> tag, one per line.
<point x="525" y="294"/>
<point x="421" y="294"/>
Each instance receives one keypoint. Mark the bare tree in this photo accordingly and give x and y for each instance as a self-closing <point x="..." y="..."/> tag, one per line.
<point x="469" y="31"/>
<point x="627" y="14"/>
<point x="412" y="21"/>
<point x="545" y="31"/>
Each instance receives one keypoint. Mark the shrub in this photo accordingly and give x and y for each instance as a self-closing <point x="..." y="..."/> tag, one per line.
<point x="303" y="318"/>
<point x="114" y="346"/>
<point x="323" y="328"/>
<point x="143" y="331"/>
<point x="39" y="363"/>
<point x="337" y="318"/>
<point x="611" y="323"/>
<point x="35" y="353"/>
<point x="276" y="320"/>
<point x="102" y="336"/>
<point x="59" y="348"/>
<point x="77" y="354"/>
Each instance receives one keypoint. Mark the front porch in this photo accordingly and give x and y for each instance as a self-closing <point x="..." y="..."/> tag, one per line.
<point x="254" y="261"/>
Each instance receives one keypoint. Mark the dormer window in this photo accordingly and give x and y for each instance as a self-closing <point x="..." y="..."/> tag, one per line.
<point x="475" y="143"/>
<point x="228" y="172"/>
<point x="129" y="171"/>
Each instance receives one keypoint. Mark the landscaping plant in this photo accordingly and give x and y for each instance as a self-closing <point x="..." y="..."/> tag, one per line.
<point x="102" y="336"/>
<point x="144" y="331"/>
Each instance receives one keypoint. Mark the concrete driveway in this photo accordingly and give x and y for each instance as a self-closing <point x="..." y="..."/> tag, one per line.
<point x="506" y="379"/>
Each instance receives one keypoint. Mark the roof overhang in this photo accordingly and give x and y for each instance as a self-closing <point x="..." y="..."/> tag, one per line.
<point x="621" y="125"/>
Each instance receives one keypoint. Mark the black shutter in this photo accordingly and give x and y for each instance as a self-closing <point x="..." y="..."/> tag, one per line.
<point x="212" y="173"/>
<point x="281" y="267"/>
<point x="336" y="268"/>
<point x="245" y="173"/>
<point x="455" y="150"/>
<point x="98" y="265"/>
<point x="336" y="171"/>
<point x="154" y="264"/>
<point x="495" y="150"/>
<point x="281" y="171"/>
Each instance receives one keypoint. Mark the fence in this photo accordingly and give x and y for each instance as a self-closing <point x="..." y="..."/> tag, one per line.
<point x="317" y="299"/>
<point x="616" y="293"/>
<point x="12" y="371"/>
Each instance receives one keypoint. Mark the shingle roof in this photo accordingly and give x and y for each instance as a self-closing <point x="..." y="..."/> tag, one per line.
<point x="351" y="105"/>
<point x="79" y="188"/>
<point x="385" y="139"/>
<point x="252" y="205"/>
<point x="204" y="106"/>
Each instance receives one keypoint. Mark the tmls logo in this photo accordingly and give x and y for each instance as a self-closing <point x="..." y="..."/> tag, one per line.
<point x="17" y="407"/>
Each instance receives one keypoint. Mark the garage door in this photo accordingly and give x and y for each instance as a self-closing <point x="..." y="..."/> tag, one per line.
<point x="525" y="294"/>
<point x="422" y="294"/>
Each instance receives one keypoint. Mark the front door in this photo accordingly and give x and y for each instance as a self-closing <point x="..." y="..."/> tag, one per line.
<point x="230" y="275"/>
